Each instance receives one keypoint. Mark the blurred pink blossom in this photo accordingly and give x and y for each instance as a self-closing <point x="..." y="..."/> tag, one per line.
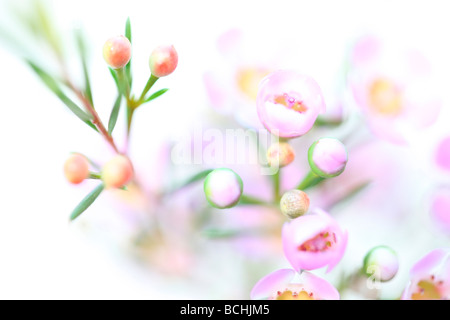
<point x="279" y="285"/>
<point x="232" y="90"/>
<point x="440" y="209"/>
<point x="443" y="154"/>
<point x="394" y="88"/>
<point x="430" y="277"/>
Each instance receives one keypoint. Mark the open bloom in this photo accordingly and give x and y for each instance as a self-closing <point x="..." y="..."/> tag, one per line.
<point x="288" y="103"/>
<point x="394" y="89"/>
<point x="313" y="241"/>
<point x="280" y="285"/>
<point x="430" y="277"/>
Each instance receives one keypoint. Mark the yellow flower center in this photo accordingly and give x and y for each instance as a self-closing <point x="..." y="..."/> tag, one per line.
<point x="385" y="97"/>
<point x="248" y="80"/>
<point x="427" y="291"/>
<point x="289" y="295"/>
<point x="291" y="103"/>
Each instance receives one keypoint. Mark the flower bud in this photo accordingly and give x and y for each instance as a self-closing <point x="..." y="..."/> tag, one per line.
<point x="294" y="203"/>
<point x="288" y="103"/>
<point x="117" y="52"/>
<point x="76" y="168"/>
<point x="223" y="188"/>
<point x="327" y="157"/>
<point x="280" y="154"/>
<point x="117" y="172"/>
<point x="381" y="263"/>
<point x="163" y="61"/>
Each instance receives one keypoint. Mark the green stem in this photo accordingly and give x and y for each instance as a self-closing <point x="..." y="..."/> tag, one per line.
<point x="277" y="185"/>
<point x="151" y="81"/>
<point x="130" y="113"/>
<point x="310" y="180"/>
<point x="94" y="175"/>
<point x="123" y="83"/>
<point x="249" y="200"/>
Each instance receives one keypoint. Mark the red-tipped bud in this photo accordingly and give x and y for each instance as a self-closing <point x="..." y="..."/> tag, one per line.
<point x="117" y="52"/>
<point x="76" y="168"/>
<point x="280" y="154"/>
<point x="117" y="172"/>
<point x="163" y="61"/>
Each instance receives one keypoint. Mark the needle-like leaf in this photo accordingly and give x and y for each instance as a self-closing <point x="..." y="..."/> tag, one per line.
<point x="86" y="202"/>
<point x="156" y="95"/>
<point x="128" y="66"/>
<point x="54" y="87"/>
<point x="114" y="114"/>
<point x="82" y="49"/>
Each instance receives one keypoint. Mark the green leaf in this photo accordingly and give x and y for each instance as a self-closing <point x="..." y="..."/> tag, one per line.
<point x="128" y="66"/>
<point x="216" y="233"/>
<point x="197" y="177"/>
<point x="156" y="95"/>
<point x="54" y="87"/>
<point x="310" y="180"/>
<point x="86" y="202"/>
<point x="82" y="49"/>
<point x="114" y="114"/>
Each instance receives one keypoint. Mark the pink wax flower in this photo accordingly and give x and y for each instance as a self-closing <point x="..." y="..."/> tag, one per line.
<point x="394" y="89"/>
<point x="443" y="154"/>
<point x="430" y="277"/>
<point x="279" y="285"/>
<point x="440" y="209"/>
<point x="327" y="157"/>
<point x="288" y="103"/>
<point x="313" y="241"/>
<point x="232" y="84"/>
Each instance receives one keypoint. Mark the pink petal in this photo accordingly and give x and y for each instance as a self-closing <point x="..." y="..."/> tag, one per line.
<point x="431" y="263"/>
<point x="321" y="289"/>
<point x="339" y="252"/>
<point x="272" y="283"/>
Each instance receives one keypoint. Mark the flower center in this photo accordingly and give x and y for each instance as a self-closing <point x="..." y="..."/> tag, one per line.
<point x="385" y="97"/>
<point x="322" y="242"/>
<point x="428" y="290"/>
<point x="294" y="295"/>
<point x="248" y="80"/>
<point x="290" y="103"/>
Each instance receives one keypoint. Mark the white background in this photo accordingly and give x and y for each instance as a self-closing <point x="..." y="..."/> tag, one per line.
<point x="41" y="255"/>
